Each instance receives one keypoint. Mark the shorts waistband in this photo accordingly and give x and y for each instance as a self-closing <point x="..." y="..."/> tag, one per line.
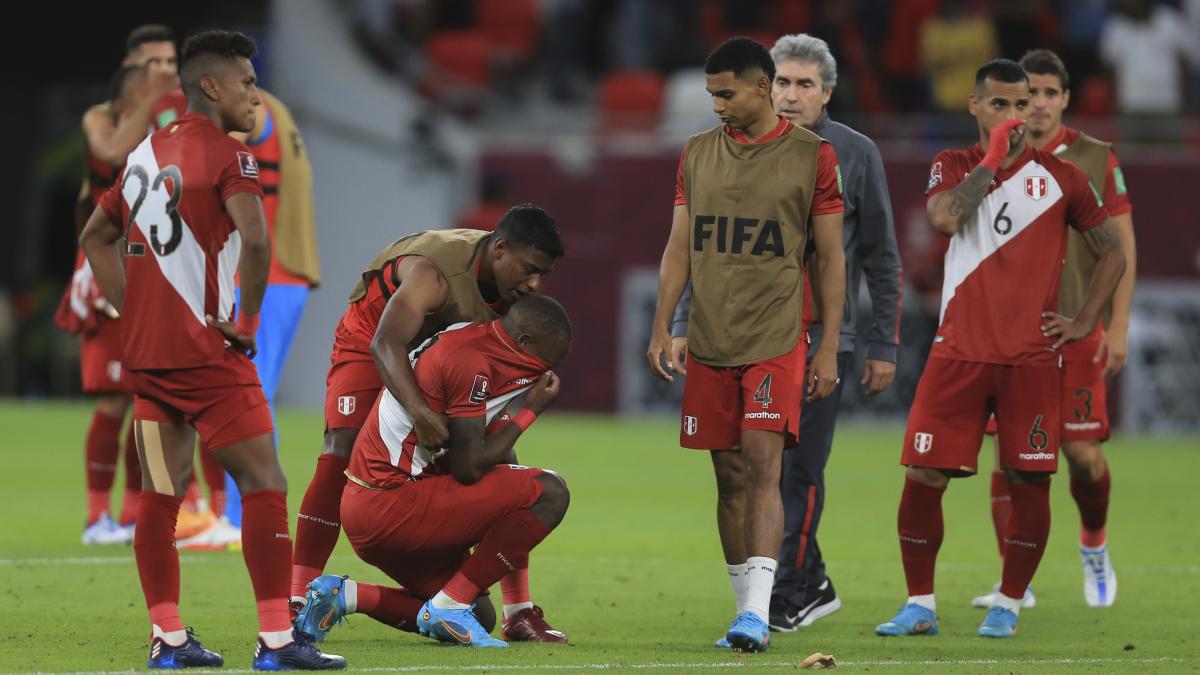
<point x="362" y="483"/>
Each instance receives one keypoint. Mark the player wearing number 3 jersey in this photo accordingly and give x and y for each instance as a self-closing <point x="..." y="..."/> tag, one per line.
<point x="1007" y="211"/>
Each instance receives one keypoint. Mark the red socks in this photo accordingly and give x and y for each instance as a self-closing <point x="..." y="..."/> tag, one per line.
<point x="921" y="529"/>
<point x="157" y="559"/>
<point x="1092" y="500"/>
<point x="267" y="548"/>
<point x="394" y="607"/>
<point x="100" y="461"/>
<point x="1025" y="539"/>
<point x="504" y="549"/>
<point x="1001" y="507"/>
<point x="319" y="521"/>
<point x="515" y="586"/>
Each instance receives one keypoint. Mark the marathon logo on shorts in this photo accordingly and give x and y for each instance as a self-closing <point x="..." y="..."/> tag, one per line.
<point x="480" y="389"/>
<point x="1037" y="455"/>
<point x="762" y="415"/>
<point x="247" y="164"/>
<point x="1081" y="426"/>
<point x="347" y="404"/>
<point x="1036" y="187"/>
<point x="922" y="442"/>
<point x="690" y="425"/>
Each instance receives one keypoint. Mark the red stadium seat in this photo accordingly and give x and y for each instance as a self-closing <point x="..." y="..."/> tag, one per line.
<point x="511" y="26"/>
<point x="630" y="101"/>
<point x="460" y="58"/>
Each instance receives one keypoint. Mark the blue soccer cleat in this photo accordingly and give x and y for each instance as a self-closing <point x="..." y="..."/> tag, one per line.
<point x="456" y="626"/>
<point x="999" y="623"/>
<point x="913" y="619"/>
<point x="749" y="633"/>
<point x="324" y="608"/>
<point x="1099" y="579"/>
<point x="299" y="654"/>
<point x="190" y="654"/>
<point x="723" y="643"/>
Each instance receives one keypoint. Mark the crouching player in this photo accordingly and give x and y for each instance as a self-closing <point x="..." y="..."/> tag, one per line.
<point x="415" y="513"/>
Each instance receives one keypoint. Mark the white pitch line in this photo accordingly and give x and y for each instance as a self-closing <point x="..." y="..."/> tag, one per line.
<point x="97" y="560"/>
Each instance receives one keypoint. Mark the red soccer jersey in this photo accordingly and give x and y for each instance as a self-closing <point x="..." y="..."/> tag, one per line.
<point x="467" y="370"/>
<point x="168" y="108"/>
<point x="1116" y="197"/>
<point x="1003" y="266"/>
<point x="183" y="247"/>
<point x="269" y="153"/>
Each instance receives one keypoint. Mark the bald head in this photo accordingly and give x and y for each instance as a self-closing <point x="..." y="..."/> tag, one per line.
<point x="541" y="326"/>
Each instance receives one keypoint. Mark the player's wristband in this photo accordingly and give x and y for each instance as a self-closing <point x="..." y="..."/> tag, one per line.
<point x="247" y="324"/>
<point x="524" y="418"/>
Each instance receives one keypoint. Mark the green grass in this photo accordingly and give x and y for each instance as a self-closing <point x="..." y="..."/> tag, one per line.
<point x="634" y="575"/>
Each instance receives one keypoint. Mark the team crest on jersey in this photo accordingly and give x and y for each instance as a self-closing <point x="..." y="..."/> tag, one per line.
<point x="347" y="404"/>
<point x="480" y="389"/>
<point x="690" y="425"/>
<point x="923" y="442"/>
<point x="935" y="176"/>
<point x="248" y="164"/>
<point x="1036" y="187"/>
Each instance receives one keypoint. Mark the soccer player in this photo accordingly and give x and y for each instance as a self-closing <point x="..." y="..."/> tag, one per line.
<point x="153" y="46"/>
<point x="805" y="75"/>
<point x="997" y="349"/>
<point x="1088" y="362"/>
<point x="748" y="196"/>
<point x="414" y="288"/>
<point x="416" y="513"/>
<point x="189" y="211"/>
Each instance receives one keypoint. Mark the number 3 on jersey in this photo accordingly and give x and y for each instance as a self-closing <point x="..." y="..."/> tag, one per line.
<point x="173" y="190"/>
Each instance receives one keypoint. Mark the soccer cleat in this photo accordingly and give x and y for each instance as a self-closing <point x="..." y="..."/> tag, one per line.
<point x="999" y="623"/>
<point x="103" y="532"/>
<point x="324" y="607"/>
<point x="126" y="532"/>
<point x="190" y="654"/>
<point x="987" y="600"/>
<point x="1099" y="578"/>
<point x="749" y="633"/>
<point x="299" y="654"/>
<point x="456" y="626"/>
<point x="190" y="523"/>
<point x="913" y="619"/>
<point x="221" y="535"/>
<point x="529" y="625"/>
<point x="723" y="643"/>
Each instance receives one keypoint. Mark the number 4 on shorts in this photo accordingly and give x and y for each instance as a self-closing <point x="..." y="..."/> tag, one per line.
<point x="763" y="393"/>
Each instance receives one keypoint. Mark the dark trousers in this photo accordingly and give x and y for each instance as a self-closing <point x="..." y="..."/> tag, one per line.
<point x="802" y="487"/>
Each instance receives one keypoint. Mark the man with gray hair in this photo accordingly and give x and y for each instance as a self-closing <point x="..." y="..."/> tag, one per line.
<point x="805" y="75"/>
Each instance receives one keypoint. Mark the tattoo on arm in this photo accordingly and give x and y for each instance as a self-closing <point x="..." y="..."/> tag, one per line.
<point x="965" y="199"/>
<point x="1102" y="239"/>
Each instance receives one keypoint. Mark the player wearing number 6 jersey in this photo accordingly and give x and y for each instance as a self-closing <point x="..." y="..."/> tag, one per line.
<point x="188" y="210"/>
<point x="1007" y="211"/>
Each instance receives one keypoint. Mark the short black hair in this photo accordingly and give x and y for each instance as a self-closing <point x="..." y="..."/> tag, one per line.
<point x="541" y="316"/>
<point x="739" y="54"/>
<point x="1046" y="62"/>
<point x="221" y="43"/>
<point x="151" y="32"/>
<point x="116" y="86"/>
<point x="1001" y="70"/>
<point x="531" y="225"/>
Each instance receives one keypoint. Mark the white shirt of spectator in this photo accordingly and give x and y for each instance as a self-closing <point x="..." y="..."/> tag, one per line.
<point x="1146" y="58"/>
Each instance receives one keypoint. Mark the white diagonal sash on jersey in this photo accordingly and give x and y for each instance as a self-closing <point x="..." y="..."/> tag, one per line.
<point x="979" y="239"/>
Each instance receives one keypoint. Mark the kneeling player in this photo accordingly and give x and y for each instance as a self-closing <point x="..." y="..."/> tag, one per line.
<point x="416" y="513"/>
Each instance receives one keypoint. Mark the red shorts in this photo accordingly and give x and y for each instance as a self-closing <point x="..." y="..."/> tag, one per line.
<point x="951" y="409"/>
<point x="350" y="391"/>
<point x="100" y="360"/>
<point x="223" y="402"/>
<point x="719" y="402"/>
<point x="421" y="532"/>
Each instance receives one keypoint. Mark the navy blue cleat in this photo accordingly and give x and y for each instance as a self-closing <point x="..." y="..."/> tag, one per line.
<point x="324" y="608"/>
<point x="456" y="626"/>
<point x="300" y="654"/>
<point x="190" y="654"/>
<point x="749" y="633"/>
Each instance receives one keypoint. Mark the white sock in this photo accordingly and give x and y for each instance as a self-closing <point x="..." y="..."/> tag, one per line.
<point x="760" y="577"/>
<point x="1011" y="604"/>
<point x="350" y="595"/>
<point x="276" y="639"/>
<point x="443" y="601"/>
<point x="175" y="638"/>
<point x="509" y="610"/>
<point x="737" y="579"/>
<point x="925" y="601"/>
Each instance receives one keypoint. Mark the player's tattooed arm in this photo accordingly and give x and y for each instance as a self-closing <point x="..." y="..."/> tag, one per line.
<point x="949" y="211"/>
<point x="1105" y="245"/>
<point x="100" y="241"/>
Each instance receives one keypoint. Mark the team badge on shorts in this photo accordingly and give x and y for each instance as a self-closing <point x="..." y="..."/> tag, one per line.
<point x="479" y="390"/>
<point x="248" y="164"/>
<point x="690" y="425"/>
<point x="1036" y="187"/>
<point x="922" y="442"/>
<point x="346" y="405"/>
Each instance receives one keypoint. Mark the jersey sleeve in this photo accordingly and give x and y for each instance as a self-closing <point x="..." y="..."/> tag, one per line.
<point x="1085" y="209"/>
<point x="238" y="173"/>
<point x="827" y="192"/>
<point x="1116" y="198"/>
<point x="943" y="174"/>
<point x="111" y="203"/>
<point x="466" y="385"/>
<point x="680" y="192"/>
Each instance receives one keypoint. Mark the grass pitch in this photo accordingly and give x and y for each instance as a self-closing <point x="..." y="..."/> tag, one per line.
<point x="634" y="575"/>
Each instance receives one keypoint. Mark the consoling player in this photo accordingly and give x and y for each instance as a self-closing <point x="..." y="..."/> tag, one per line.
<point x="998" y="348"/>
<point x="416" y="512"/>
<point x="189" y="211"/>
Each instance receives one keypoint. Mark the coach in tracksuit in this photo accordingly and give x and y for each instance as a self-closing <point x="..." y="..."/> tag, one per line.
<point x="805" y="75"/>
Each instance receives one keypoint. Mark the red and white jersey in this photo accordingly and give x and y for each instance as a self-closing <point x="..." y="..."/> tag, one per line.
<point x="1002" y="268"/>
<point x="182" y="246"/>
<point x="467" y="370"/>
